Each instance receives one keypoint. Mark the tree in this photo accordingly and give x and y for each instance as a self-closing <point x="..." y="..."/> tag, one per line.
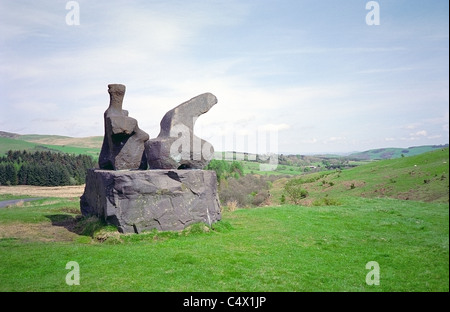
<point x="44" y="168"/>
<point x="8" y="174"/>
<point x="294" y="191"/>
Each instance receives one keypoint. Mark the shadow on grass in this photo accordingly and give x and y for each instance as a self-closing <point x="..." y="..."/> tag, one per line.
<point x="97" y="230"/>
<point x="80" y="225"/>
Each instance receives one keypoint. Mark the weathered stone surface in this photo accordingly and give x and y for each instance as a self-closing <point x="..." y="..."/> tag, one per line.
<point x="137" y="200"/>
<point x="177" y="147"/>
<point x="123" y="143"/>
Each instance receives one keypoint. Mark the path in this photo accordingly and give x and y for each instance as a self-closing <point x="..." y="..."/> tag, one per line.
<point x="6" y="203"/>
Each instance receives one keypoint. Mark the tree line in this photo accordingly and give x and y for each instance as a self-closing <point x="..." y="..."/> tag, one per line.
<point x="44" y="168"/>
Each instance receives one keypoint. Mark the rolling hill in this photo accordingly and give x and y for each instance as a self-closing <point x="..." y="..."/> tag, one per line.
<point x="11" y="141"/>
<point x="92" y="146"/>
<point x="392" y="152"/>
<point x="423" y="177"/>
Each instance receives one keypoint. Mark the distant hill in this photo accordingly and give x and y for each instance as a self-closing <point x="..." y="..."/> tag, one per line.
<point x="423" y="177"/>
<point x="87" y="142"/>
<point x="10" y="135"/>
<point x="92" y="146"/>
<point x="33" y="142"/>
<point x="393" y="152"/>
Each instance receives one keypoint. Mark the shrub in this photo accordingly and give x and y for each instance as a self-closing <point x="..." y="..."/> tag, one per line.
<point x="294" y="191"/>
<point x="326" y="202"/>
<point x="225" y="169"/>
<point x="232" y="205"/>
<point x="245" y="191"/>
<point x="260" y="198"/>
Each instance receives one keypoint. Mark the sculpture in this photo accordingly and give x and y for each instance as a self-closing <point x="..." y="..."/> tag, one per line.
<point x="176" y="146"/>
<point x="166" y="198"/>
<point x="123" y="143"/>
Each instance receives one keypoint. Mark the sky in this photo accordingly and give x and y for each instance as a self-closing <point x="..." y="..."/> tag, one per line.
<point x="296" y="76"/>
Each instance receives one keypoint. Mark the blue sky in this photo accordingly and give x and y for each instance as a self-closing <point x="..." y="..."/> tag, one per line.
<point x="312" y="73"/>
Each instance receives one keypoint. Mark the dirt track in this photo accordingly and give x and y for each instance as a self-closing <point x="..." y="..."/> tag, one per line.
<point x="42" y="191"/>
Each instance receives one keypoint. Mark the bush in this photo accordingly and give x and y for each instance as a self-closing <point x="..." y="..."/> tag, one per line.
<point x="294" y="191"/>
<point x="326" y="202"/>
<point x="245" y="191"/>
<point x="225" y="169"/>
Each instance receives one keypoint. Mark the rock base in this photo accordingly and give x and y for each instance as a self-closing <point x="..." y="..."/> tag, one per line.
<point x="138" y="200"/>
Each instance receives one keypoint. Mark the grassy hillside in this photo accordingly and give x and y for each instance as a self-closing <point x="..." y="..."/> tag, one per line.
<point x="389" y="153"/>
<point x="88" y="142"/>
<point x="284" y="248"/>
<point x="424" y="177"/>
<point x="7" y="144"/>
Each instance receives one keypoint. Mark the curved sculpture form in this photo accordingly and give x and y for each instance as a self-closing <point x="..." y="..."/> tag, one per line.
<point x="177" y="147"/>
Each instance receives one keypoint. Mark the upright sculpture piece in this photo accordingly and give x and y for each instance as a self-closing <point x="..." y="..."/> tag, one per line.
<point x="123" y="144"/>
<point x="177" y="147"/>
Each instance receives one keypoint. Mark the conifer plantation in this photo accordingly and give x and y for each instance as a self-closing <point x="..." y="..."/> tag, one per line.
<point x="44" y="168"/>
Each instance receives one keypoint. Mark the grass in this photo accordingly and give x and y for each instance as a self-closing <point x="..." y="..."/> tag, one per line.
<point x="11" y="197"/>
<point x="424" y="177"/>
<point x="390" y="153"/>
<point x="286" y="248"/>
<point x="7" y="144"/>
<point x="324" y="246"/>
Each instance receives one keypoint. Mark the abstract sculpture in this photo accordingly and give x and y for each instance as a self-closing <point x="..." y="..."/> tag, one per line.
<point x="123" y="143"/>
<point x="167" y="197"/>
<point x="176" y="146"/>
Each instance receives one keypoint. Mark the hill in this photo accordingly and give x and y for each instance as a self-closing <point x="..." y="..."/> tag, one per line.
<point x="392" y="152"/>
<point x="423" y="177"/>
<point x="17" y="144"/>
<point x="292" y="163"/>
<point x="94" y="142"/>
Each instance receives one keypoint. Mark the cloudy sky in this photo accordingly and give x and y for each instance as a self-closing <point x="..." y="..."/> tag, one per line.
<point x="311" y="76"/>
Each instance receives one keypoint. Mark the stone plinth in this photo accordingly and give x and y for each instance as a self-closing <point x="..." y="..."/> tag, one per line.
<point x="137" y="200"/>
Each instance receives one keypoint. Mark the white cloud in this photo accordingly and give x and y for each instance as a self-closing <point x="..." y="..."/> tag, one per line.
<point x="334" y="139"/>
<point x="419" y="133"/>
<point x="386" y="70"/>
<point x="309" y="141"/>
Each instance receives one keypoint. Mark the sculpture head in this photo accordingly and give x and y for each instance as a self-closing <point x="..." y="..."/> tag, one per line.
<point x="116" y="95"/>
<point x="116" y="89"/>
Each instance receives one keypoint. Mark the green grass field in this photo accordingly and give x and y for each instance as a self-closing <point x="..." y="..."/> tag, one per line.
<point x="424" y="177"/>
<point x="7" y="144"/>
<point x="287" y="248"/>
<point x="392" y="152"/>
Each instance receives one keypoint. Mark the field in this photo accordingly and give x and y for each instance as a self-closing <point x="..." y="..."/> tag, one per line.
<point x="423" y="177"/>
<point x="389" y="153"/>
<point x="394" y="212"/>
<point x="87" y="146"/>
<point x="288" y="248"/>
<point x="21" y="191"/>
<point x="278" y="248"/>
